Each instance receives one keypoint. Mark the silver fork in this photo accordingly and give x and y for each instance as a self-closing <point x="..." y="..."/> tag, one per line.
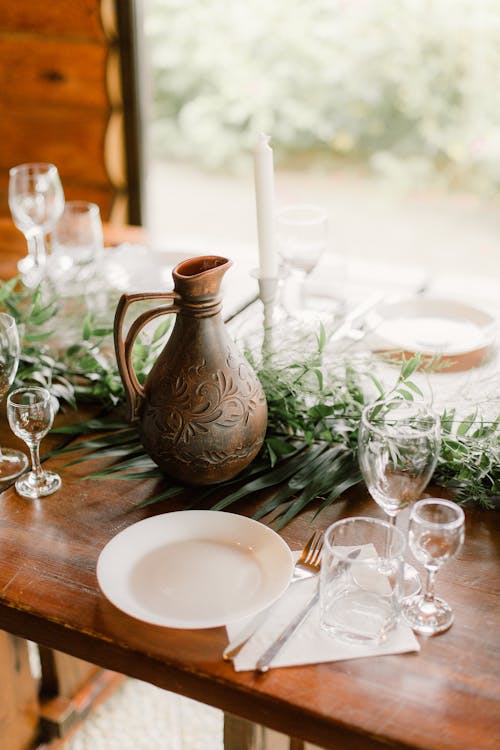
<point x="307" y="564"/>
<point x="309" y="561"/>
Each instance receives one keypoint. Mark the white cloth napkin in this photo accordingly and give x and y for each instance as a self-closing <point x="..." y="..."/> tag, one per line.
<point x="310" y="644"/>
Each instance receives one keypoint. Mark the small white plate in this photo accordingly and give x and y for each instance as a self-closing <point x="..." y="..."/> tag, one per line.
<point x="458" y="333"/>
<point x="194" y="568"/>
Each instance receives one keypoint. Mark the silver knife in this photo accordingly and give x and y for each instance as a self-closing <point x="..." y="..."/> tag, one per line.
<point x="265" y="660"/>
<point x="234" y="647"/>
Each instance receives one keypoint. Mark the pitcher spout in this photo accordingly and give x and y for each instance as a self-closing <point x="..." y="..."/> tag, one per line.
<point x="199" y="279"/>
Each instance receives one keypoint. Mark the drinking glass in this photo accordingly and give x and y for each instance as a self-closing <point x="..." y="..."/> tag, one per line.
<point x="36" y="201"/>
<point x="436" y="534"/>
<point x="30" y="412"/>
<point x="302" y="236"/>
<point x="76" y="247"/>
<point x="12" y="462"/>
<point x="361" y="579"/>
<point x="398" y="448"/>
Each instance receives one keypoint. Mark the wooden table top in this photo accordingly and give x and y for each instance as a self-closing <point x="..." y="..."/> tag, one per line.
<point x="445" y="697"/>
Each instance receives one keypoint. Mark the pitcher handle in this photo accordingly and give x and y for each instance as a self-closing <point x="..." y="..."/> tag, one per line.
<point x="123" y="347"/>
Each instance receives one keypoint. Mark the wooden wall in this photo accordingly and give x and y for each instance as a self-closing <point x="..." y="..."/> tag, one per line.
<point x="68" y="96"/>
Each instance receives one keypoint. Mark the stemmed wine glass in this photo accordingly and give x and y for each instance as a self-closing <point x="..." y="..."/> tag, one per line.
<point x="436" y="534"/>
<point x="398" y="448"/>
<point x="12" y="462"/>
<point x="30" y="412"/>
<point x="302" y="237"/>
<point x="36" y="201"/>
<point x="77" y="244"/>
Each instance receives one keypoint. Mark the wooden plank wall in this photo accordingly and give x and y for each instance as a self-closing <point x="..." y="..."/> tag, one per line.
<point x="61" y="97"/>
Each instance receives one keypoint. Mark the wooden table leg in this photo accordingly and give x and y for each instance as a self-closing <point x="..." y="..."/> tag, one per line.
<point x="19" y="691"/>
<point x="70" y="689"/>
<point x="63" y="675"/>
<point x="240" y="734"/>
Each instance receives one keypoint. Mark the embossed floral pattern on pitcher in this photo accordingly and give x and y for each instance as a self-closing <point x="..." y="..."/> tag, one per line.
<point x="202" y="413"/>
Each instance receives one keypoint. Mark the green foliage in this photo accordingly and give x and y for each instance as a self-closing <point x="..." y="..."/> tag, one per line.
<point x="310" y="451"/>
<point x="469" y="460"/>
<point x="85" y="371"/>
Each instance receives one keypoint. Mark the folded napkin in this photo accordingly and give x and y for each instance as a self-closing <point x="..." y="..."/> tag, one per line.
<point x="310" y="644"/>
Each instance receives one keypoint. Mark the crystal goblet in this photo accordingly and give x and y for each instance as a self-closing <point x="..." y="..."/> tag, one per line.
<point x="436" y="534"/>
<point x="398" y="448"/>
<point x="36" y="201"/>
<point x="76" y="247"/>
<point x="302" y="237"/>
<point x="30" y="412"/>
<point x="12" y="462"/>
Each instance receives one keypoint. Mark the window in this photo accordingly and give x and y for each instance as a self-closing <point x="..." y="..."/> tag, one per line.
<point x="385" y="111"/>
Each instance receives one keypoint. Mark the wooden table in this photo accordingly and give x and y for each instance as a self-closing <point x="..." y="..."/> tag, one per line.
<point x="446" y="697"/>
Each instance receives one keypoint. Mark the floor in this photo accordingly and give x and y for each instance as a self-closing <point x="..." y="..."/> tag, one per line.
<point x="139" y="716"/>
<point x="215" y="213"/>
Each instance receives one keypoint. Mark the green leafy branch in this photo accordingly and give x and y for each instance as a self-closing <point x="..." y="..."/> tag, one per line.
<point x="84" y="372"/>
<point x="469" y="459"/>
<point x="309" y="455"/>
<point x="310" y="452"/>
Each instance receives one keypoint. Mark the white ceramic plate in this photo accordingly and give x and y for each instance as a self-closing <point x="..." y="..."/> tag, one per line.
<point x="194" y="568"/>
<point x="434" y="327"/>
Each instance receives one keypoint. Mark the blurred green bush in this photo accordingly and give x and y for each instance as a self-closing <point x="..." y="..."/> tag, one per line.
<point x="408" y="88"/>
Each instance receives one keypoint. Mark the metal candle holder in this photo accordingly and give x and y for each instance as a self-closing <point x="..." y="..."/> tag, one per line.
<point x="268" y="293"/>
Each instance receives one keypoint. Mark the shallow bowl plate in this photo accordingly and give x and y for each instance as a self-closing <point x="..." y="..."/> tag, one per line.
<point x="194" y="568"/>
<point x="461" y="335"/>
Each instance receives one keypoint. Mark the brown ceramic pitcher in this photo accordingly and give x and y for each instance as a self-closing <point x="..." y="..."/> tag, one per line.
<point x="202" y="413"/>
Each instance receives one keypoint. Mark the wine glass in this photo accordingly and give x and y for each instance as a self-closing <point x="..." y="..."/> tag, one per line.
<point x="302" y="236"/>
<point x="398" y="448"/>
<point x="436" y="534"/>
<point x="12" y="462"/>
<point x="30" y="412"/>
<point x="76" y="246"/>
<point x="36" y="201"/>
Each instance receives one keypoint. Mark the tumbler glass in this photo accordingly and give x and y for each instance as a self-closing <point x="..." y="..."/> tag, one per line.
<point x="361" y="579"/>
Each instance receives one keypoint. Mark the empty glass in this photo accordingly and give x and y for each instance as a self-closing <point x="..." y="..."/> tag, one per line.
<point x="302" y="237"/>
<point x="30" y="412"/>
<point x="12" y="462"/>
<point x="361" y="579"/>
<point x="398" y="448"/>
<point x="76" y="247"/>
<point x="36" y="201"/>
<point x="436" y="534"/>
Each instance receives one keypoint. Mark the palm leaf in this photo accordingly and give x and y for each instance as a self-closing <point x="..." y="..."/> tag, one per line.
<point x="271" y="478"/>
<point x="321" y="481"/>
<point x="165" y="495"/>
<point x="112" y="453"/>
<point x="313" y="416"/>
<point x="108" y="473"/>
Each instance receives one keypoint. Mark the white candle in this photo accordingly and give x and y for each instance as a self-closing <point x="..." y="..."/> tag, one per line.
<point x="264" y="199"/>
